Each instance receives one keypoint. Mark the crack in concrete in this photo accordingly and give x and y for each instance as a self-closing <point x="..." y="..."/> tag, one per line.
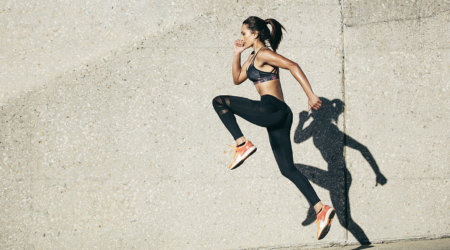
<point x="344" y="113"/>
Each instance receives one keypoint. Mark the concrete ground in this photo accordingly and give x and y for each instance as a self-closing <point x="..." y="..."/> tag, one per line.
<point x="434" y="244"/>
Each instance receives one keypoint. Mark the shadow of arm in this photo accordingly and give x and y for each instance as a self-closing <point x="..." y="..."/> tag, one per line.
<point x="349" y="141"/>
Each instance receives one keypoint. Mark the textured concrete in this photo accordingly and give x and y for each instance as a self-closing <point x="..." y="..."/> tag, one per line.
<point x="43" y="39"/>
<point x="108" y="137"/>
<point x="429" y="244"/>
<point x="397" y="108"/>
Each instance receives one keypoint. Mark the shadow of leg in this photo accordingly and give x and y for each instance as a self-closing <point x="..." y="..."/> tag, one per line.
<point x="363" y="247"/>
<point x="316" y="175"/>
<point x="310" y="217"/>
<point x="319" y="177"/>
<point x="340" y="199"/>
<point x="357" y="232"/>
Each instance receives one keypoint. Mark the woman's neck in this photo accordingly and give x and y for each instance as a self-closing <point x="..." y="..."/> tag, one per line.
<point x="257" y="47"/>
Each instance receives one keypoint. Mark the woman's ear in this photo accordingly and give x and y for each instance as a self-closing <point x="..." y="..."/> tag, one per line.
<point x="256" y="35"/>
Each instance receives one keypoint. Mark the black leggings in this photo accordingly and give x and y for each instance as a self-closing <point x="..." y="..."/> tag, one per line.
<point x="276" y="116"/>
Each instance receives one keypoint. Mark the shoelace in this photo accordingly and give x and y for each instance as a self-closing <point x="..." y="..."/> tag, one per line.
<point x="234" y="147"/>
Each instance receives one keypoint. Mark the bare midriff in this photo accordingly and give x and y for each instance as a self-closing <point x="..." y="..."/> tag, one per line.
<point x="272" y="87"/>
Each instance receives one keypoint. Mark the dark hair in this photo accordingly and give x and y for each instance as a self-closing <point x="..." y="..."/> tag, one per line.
<point x="257" y="24"/>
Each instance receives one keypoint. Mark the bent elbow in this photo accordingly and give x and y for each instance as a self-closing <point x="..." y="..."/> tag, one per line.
<point x="293" y="66"/>
<point x="236" y="81"/>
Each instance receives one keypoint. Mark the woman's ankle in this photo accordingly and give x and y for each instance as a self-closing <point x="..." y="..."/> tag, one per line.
<point x="240" y="141"/>
<point x="318" y="207"/>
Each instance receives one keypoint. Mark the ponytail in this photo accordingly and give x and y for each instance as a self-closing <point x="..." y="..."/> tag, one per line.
<point x="274" y="37"/>
<point x="276" y="34"/>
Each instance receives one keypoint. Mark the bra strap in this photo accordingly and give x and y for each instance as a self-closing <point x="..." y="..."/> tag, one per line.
<point x="254" y="57"/>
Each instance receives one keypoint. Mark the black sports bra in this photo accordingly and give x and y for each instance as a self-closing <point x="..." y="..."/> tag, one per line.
<point x="258" y="76"/>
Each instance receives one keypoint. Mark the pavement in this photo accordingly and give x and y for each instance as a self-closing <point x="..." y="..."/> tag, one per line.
<point x="435" y="244"/>
<point x="428" y="244"/>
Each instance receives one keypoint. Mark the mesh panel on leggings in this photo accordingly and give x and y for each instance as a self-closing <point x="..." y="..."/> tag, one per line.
<point x="220" y="107"/>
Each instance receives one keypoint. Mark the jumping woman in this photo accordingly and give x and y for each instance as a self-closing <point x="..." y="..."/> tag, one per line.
<point x="262" y="67"/>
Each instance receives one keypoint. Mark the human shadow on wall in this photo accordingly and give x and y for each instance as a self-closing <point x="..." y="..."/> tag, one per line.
<point x="331" y="141"/>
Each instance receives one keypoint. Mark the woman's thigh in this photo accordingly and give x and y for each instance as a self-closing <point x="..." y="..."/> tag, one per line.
<point x="280" y="140"/>
<point x="256" y="112"/>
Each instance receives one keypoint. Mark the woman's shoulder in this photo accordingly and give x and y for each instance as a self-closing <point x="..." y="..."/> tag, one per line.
<point x="263" y="49"/>
<point x="268" y="49"/>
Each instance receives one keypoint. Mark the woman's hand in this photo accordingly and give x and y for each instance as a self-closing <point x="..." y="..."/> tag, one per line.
<point x="314" y="102"/>
<point x="239" y="46"/>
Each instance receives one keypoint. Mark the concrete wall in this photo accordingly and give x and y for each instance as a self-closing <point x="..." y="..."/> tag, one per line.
<point x="108" y="137"/>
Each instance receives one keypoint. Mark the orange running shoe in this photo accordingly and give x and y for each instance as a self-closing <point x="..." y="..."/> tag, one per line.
<point x="241" y="153"/>
<point x="323" y="220"/>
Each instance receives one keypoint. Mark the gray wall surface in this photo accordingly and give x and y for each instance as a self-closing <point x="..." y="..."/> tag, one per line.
<point x="108" y="137"/>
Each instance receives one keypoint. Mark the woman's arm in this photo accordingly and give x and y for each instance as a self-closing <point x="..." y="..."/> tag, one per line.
<point x="239" y="73"/>
<point x="280" y="61"/>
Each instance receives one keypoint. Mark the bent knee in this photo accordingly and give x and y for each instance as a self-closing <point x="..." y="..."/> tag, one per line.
<point x="218" y="100"/>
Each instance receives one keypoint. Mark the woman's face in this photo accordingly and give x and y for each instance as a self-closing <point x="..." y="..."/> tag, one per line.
<point x="247" y="36"/>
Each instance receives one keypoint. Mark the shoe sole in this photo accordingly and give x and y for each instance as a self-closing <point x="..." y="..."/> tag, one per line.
<point x="246" y="155"/>
<point x="327" y="227"/>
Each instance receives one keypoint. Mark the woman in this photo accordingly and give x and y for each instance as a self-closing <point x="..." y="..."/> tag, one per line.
<point x="262" y="67"/>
